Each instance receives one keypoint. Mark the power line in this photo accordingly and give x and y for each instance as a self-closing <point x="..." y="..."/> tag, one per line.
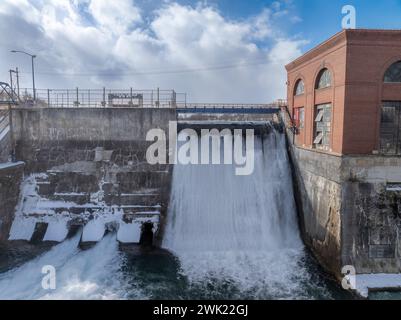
<point x="161" y="72"/>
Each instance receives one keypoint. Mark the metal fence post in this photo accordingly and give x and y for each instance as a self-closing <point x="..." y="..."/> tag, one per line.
<point x="174" y="99"/>
<point x="77" y="97"/>
<point x="48" y="98"/>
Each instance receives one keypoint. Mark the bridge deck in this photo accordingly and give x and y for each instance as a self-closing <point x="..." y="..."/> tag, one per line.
<point x="229" y="108"/>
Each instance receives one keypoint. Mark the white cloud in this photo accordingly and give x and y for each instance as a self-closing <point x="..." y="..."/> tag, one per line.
<point x="107" y="43"/>
<point x="115" y="16"/>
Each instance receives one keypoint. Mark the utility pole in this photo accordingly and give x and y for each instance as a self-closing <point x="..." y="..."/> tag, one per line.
<point x="16" y="71"/>
<point x="33" y="70"/>
<point x="12" y="81"/>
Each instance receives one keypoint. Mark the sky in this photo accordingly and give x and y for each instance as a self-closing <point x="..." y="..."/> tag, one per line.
<point x="215" y="51"/>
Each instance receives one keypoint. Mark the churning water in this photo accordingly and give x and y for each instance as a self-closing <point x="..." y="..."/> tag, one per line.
<point x="240" y="231"/>
<point x="230" y="237"/>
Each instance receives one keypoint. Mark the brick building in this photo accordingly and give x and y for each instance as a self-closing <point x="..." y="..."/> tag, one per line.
<point x="345" y="94"/>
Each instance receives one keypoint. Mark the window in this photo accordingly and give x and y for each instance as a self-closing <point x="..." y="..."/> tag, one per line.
<point x="393" y="74"/>
<point x="299" y="88"/>
<point x="324" y="79"/>
<point x="299" y="117"/>
<point x="322" y="126"/>
<point x="390" y="129"/>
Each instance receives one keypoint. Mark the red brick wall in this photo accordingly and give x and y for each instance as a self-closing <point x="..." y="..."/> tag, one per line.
<point x="369" y="55"/>
<point x="332" y="58"/>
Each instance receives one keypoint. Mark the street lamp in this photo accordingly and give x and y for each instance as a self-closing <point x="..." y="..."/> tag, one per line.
<point x="33" y="70"/>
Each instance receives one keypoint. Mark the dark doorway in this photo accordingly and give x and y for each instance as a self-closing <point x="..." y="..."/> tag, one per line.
<point x="146" y="234"/>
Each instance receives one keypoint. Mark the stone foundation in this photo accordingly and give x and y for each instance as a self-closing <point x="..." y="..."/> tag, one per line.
<point x="350" y="209"/>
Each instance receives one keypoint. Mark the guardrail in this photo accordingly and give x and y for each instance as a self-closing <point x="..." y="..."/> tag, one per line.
<point x="101" y="98"/>
<point x="277" y="104"/>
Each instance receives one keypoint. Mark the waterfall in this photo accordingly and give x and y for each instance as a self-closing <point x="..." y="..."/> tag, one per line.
<point x="242" y="229"/>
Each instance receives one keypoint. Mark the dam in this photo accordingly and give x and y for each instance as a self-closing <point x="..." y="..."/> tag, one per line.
<point x="318" y="216"/>
<point x="216" y="235"/>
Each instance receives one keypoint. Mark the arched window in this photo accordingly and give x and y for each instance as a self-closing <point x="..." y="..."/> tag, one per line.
<point x="299" y="88"/>
<point x="324" y="79"/>
<point x="393" y="74"/>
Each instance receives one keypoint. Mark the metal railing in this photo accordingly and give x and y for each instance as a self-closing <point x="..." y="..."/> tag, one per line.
<point x="277" y="104"/>
<point x="101" y="98"/>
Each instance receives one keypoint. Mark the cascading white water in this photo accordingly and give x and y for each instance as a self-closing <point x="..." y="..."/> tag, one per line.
<point x="241" y="229"/>
<point x="90" y="274"/>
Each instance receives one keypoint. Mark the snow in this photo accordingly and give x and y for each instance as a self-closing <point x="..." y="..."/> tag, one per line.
<point x="33" y="208"/>
<point x="7" y="165"/>
<point x="394" y="188"/>
<point x="56" y="231"/>
<point x="378" y="281"/>
<point x="93" y="231"/>
<point x="69" y="193"/>
<point x="129" y="232"/>
<point x="154" y="213"/>
<point x="22" y="229"/>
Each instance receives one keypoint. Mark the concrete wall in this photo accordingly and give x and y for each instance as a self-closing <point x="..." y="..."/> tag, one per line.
<point x="10" y="178"/>
<point x="318" y="193"/>
<point x="48" y="137"/>
<point x="371" y="210"/>
<point x="349" y="213"/>
<point x="94" y="157"/>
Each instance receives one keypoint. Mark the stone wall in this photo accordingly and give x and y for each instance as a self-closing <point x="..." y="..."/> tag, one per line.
<point x="11" y="175"/>
<point x="318" y="195"/>
<point x="93" y="160"/>
<point x="350" y="209"/>
<point x="371" y="204"/>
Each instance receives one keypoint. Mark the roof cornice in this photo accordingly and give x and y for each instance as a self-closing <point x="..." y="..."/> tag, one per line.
<point x="338" y="38"/>
<point x="351" y="37"/>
